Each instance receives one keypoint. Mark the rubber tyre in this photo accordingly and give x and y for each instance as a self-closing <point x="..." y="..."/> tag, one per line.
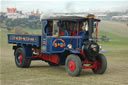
<point x="25" y="63"/>
<point x="77" y="63"/>
<point x="52" y="64"/>
<point x="103" y="66"/>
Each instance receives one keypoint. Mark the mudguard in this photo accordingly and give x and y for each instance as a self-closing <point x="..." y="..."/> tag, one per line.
<point x="73" y="51"/>
<point x="28" y="51"/>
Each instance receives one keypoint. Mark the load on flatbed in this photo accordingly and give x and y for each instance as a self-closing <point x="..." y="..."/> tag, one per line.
<point x="64" y="40"/>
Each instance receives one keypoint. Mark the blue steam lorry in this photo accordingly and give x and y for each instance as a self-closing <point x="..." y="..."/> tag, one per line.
<point x="64" y="40"/>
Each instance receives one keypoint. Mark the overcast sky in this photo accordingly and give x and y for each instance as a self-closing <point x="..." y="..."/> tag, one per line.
<point x="65" y="5"/>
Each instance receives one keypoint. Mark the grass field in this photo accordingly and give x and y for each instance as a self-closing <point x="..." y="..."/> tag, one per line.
<point x="41" y="74"/>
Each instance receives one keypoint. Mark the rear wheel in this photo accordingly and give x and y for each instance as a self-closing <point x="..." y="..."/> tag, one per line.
<point x="20" y="59"/>
<point x="101" y="64"/>
<point x="73" y="65"/>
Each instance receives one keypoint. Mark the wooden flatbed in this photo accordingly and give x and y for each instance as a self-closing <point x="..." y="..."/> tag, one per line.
<point x="28" y="39"/>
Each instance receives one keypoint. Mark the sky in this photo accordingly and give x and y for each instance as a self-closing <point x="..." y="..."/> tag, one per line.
<point x="65" y="5"/>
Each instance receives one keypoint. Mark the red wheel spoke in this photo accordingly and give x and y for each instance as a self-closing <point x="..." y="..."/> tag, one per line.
<point x="98" y="65"/>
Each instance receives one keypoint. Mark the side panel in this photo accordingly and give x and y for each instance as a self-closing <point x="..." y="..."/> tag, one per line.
<point x="24" y="39"/>
<point x="59" y="44"/>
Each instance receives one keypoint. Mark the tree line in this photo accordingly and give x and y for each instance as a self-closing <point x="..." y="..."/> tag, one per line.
<point x="32" y="22"/>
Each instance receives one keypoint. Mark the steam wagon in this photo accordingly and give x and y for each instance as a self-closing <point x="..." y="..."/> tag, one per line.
<point x="64" y="40"/>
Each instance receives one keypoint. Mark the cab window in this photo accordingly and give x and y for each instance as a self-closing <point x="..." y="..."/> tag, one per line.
<point x="55" y="28"/>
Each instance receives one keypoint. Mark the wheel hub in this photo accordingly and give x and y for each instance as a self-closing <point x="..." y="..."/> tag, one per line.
<point x="71" y="65"/>
<point x="20" y="58"/>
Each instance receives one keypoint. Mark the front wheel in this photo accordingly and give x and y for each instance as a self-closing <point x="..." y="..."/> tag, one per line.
<point x="73" y="65"/>
<point x="101" y="64"/>
<point x="20" y="59"/>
